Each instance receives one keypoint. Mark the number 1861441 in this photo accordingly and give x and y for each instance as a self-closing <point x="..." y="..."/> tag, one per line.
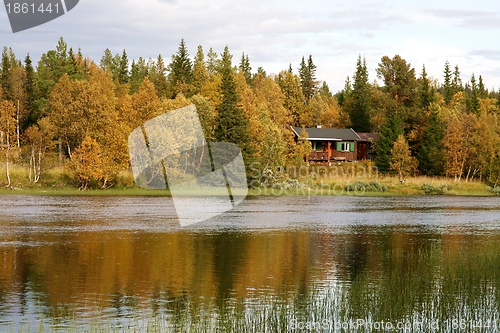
<point x="26" y="8"/>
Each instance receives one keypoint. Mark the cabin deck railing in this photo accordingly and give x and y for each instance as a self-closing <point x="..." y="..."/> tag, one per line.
<point x="318" y="156"/>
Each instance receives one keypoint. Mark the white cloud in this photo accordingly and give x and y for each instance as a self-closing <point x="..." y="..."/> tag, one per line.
<point x="277" y="33"/>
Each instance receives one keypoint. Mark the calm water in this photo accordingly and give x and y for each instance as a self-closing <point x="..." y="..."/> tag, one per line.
<point x="312" y="260"/>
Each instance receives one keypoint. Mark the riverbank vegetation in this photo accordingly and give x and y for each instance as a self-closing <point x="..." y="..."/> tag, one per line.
<point x="344" y="179"/>
<point x="64" y="123"/>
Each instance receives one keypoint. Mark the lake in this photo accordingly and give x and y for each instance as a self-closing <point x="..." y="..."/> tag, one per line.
<point x="275" y="263"/>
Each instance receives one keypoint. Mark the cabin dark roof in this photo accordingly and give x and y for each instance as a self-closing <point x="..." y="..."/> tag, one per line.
<point x="369" y="136"/>
<point x="333" y="134"/>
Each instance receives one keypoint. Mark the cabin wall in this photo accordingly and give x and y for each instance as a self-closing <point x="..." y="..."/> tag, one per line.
<point x="344" y="156"/>
<point x="321" y="153"/>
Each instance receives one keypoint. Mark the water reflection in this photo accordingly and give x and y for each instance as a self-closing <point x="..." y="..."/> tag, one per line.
<point x="382" y="258"/>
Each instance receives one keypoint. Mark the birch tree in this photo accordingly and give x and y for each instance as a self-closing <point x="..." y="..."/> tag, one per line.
<point x="7" y="132"/>
<point x="401" y="160"/>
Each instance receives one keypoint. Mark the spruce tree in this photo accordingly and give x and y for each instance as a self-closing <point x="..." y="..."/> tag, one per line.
<point x="456" y="84"/>
<point x="161" y="83"/>
<point x="344" y="94"/>
<point x="200" y="72"/>
<point x="31" y="110"/>
<point x="426" y="92"/>
<point x="261" y="72"/>
<point x="430" y="154"/>
<point x="135" y="78"/>
<point x="75" y="69"/>
<point x="307" y="74"/>
<point x="245" y="68"/>
<point x="181" y="68"/>
<point x="325" y="90"/>
<point x="232" y="124"/>
<point x="389" y="133"/>
<point x="482" y="92"/>
<point x="5" y="74"/>
<point x="473" y="100"/>
<point x="123" y="72"/>
<point x="447" y="87"/>
<point x="360" y="108"/>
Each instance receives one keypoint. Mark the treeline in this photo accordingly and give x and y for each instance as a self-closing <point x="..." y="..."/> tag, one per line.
<point x="80" y="113"/>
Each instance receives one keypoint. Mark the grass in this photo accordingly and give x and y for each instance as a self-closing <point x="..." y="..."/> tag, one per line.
<point x="392" y="187"/>
<point x="313" y="180"/>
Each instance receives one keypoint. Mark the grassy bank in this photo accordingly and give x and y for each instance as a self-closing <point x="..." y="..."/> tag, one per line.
<point x="363" y="179"/>
<point x="347" y="179"/>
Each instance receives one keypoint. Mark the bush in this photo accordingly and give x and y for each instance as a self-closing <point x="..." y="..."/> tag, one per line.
<point x="372" y="186"/>
<point x="495" y="190"/>
<point x="434" y="190"/>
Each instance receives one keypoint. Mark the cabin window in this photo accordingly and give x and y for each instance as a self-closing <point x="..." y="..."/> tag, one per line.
<point x="317" y="145"/>
<point x="345" y="146"/>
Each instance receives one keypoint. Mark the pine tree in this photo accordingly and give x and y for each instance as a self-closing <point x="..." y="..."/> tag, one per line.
<point x="232" y="124"/>
<point x="399" y="80"/>
<point x="107" y="64"/>
<point x="360" y="108"/>
<point x="389" y="132"/>
<point x="213" y="62"/>
<point x="62" y="49"/>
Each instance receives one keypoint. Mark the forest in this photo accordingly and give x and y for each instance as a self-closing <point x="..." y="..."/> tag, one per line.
<point x="69" y="113"/>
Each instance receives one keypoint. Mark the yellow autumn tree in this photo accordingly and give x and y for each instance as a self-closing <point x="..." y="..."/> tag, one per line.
<point x="88" y="165"/>
<point x="270" y="100"/>
<point x="401" y="160"/>
<point x="485" y="146"/>
<point x="145" y="104"/>
<point x="303" y="147"/>
<point x="81" y="108"/>
<point x="457" y="143"/>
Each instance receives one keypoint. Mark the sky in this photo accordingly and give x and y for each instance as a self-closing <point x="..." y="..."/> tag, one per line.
<point x="277" y="33"/>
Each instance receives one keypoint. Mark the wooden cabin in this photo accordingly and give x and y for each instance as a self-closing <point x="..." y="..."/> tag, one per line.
<point x="338" y="144"/>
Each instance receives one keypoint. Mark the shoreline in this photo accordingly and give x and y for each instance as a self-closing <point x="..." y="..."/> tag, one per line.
<point x="254" y="192"/>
